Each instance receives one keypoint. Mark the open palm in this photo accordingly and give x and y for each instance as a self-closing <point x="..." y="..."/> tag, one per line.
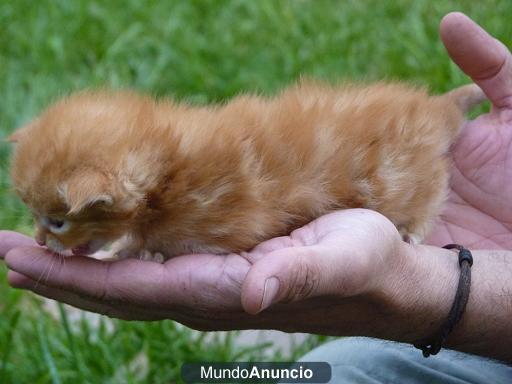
<point x="478" y="212"/>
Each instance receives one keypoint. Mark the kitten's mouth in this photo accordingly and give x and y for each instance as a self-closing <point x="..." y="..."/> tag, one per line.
<point x="92" y="246"/>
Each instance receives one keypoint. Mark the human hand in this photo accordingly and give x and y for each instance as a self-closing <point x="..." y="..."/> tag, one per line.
<point x="478" y="212"/>
<point x="341" y="266"/>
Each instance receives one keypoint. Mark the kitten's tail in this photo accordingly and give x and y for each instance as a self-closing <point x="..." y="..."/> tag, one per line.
<point x="466" y="97"/>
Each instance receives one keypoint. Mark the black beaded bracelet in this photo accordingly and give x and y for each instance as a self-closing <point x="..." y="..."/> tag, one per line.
<point x="432" y="345"/>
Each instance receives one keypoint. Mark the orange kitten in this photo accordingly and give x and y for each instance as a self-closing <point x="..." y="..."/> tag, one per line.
<point x="171" y="178"/>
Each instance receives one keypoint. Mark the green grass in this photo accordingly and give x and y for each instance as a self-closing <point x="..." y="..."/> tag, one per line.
<point x="201" y="51"/>
<point x="58" y="346"/>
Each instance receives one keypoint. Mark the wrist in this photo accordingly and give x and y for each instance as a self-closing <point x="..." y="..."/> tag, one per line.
<point x="418" y="291"/>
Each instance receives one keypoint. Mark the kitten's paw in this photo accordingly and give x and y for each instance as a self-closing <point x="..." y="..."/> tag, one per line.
<point x="412" y="238"/>
<point x="146" y="255"/>
<point x="127" y="249"/>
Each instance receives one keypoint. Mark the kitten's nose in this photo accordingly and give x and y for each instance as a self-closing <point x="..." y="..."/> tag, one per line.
<point x="40" y="236"/>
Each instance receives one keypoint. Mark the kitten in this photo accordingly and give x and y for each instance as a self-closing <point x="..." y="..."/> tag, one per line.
<point x="171" y="178"/>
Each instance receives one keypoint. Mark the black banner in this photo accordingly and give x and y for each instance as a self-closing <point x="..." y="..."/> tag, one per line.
<point x="244" y="372"/>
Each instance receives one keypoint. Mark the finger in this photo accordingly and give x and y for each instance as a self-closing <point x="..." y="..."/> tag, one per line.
<point x="18" y="280"/>
<point x="10" y="240"/>
<point x="187" y="281"/>
<point x="298" y="238"/>
<point x="486" y="60"/>
<point x="129" y="281"/>
<point x="262" y="249"/>
<point x="191" y="317"/>
<point x="295" y="274"/>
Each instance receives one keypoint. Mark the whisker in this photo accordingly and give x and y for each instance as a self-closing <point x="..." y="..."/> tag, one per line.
<point x="63" y="260"/>
<point x="50" y="269"/>
<point x="43" y="273"/>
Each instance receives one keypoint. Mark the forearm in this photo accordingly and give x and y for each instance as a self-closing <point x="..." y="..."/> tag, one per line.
<point x="422" y="297"/>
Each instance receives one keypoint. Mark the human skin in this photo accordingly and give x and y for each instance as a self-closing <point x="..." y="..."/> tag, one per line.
<point x="346" y="273"/>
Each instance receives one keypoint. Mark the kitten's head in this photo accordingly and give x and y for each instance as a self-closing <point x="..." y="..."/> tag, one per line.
<point x="68" y="169"/>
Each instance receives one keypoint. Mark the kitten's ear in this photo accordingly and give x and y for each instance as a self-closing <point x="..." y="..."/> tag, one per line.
<point x="86" y="188"/>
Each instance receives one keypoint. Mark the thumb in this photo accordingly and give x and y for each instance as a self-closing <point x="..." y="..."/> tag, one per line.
<point x="294" y="274"/>
<point x="486" y="60"/>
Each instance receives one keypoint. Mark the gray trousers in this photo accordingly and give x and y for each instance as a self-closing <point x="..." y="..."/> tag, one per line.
<point x="362" y="360"/>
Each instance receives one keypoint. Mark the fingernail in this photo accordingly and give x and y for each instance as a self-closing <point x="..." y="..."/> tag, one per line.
<point x="270" y="291"/>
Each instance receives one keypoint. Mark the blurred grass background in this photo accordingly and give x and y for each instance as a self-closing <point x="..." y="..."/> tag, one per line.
<point x="201" y="51"/>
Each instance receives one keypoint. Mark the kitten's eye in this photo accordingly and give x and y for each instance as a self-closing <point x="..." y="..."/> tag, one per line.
<point x="58" y="225"/>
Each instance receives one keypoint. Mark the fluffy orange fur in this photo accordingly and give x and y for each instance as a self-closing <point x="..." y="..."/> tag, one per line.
<point x="173" y="178"/>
